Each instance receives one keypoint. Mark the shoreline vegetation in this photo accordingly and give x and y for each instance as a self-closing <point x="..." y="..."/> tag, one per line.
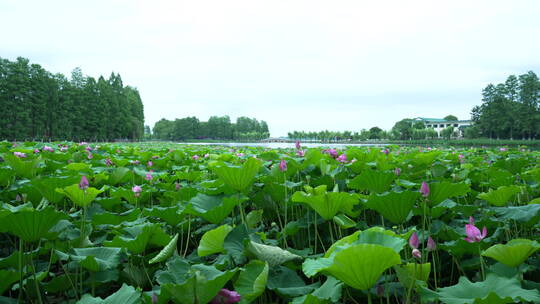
<point x="434" y="142"/>
<point x="451" y="142"/>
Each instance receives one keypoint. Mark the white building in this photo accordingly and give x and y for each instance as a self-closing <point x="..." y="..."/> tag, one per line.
<point x="439" y="124"/>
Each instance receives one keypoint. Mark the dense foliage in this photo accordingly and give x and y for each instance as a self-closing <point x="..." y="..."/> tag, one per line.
<point x="205" y="224"/>
<point x="216" y="127"/>
<point x="37" y="105"/>
<point x="509" y="110"/>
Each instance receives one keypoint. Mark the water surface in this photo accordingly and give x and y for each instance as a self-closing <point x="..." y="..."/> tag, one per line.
<point x="277" y="145"/>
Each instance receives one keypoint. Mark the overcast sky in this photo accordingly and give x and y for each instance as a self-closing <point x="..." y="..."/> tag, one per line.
<point x="297" y="64"/>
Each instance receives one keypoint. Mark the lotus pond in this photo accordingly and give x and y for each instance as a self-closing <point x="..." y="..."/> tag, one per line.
<point x="164" y="223"/>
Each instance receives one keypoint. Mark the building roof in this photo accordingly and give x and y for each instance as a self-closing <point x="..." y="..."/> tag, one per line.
<point x="440" y="120"/>
<point x="431" y="119"/>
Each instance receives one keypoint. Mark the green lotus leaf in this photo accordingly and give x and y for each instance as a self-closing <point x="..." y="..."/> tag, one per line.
<point x="344" y="221"/>
<point x="513" y="253"/>
<point x="78" y="167"/>
<point x="171" y="215"/>
<point x="139" y="237"/>
<point x="109" y="218"/>
<point x="212" y="240"/>
<point x="535" y="201"/>
<point x="238" y="178"/>
<point x="30" y="224"/>
<point x="494" y="290"/>
<point x="79" y="197"/>
<point x="501" y="196"/>
<point x="213" y="208"/>
<point x="409" y="273"/>
<point x="523" y="214"/>
<point x="125" y="295"/>
<point x="382" y="237"/>
<point x="251" y="282"/>
<point x="394" y="206"/>
<point x="329" y="291"/>
<point x="372" y="180"/>
<point x="287" y="283"/>
<point x="22" y="168"/>
<point x="254" y="218"/>
<point x="308" y="299"/>
<point x="360" y="266"/>
<point x="7" y="278"/>
<point x="342" y="242"/>
<point x="273" y="255"/>
<point x="119" y="175"/>
<point x="94" y="259"/>
<point x="187" y="285"/>
<point x="327" y="204"/>
<point x="166" y="252"/>
<point x="440" y="191"/>
<point x="47" y="187"/>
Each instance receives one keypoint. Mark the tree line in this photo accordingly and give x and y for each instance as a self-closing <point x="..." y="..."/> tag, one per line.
<point x="40" y="105"/>
<point x="509" y="110"/>
<point x="405" y="129"/>
<point x="217" y="128"/>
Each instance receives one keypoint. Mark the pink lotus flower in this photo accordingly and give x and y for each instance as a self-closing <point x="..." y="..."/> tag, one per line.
<point x="195" y="157"/>
<point x="239" y="154"/>
<point x="84" y="184"/>
<point x="135" y="162"/>
<point x="431" y="246"/>
<point x="473" y="233"/>
<point x="414" y="241"/>
<point x="206" y="155"/>
<point x="90" y="155"/>
<point x="148" y="176"/>
<point x="155" y="157"/>
<point x="108" y="162"/>
<point x="88" y="148"/>
<point x="82" y="143"/>
<point x="283" y="165"/>
<point x="503" y="149"/>
<point x="300" y="153"/>
<point x="332" y="152"/>
<point x="386" y="151"/>
<point x="397" y="171"/>
<point x="297" y="145"/>
<point x="342" y="158"/>
<point x="226" y="296"/>
<point x="137" y="190"/>
<point x="424" y="189"/>
<point x="48" y="149"/>
<point x="177" y="186"/>
<point x="36" y="151"/>
<point x="150" y="163"/>
<point x="19" y="154"/>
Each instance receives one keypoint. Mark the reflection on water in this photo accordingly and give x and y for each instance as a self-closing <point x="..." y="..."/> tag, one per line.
<point x="277" y="145"/>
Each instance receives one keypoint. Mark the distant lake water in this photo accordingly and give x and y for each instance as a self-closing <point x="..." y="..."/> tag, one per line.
<point x="278" y="145"/>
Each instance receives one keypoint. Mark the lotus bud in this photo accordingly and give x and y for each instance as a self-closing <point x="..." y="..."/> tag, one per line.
<point x="283" y="165"/>
<point x="431" y="245"/>
<point x="84" y="184"/>
<point x="413" y="240"/>
<point x="424" y="189"/>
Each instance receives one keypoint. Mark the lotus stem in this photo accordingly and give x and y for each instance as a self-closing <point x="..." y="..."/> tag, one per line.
<point x="481" y="262"/>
